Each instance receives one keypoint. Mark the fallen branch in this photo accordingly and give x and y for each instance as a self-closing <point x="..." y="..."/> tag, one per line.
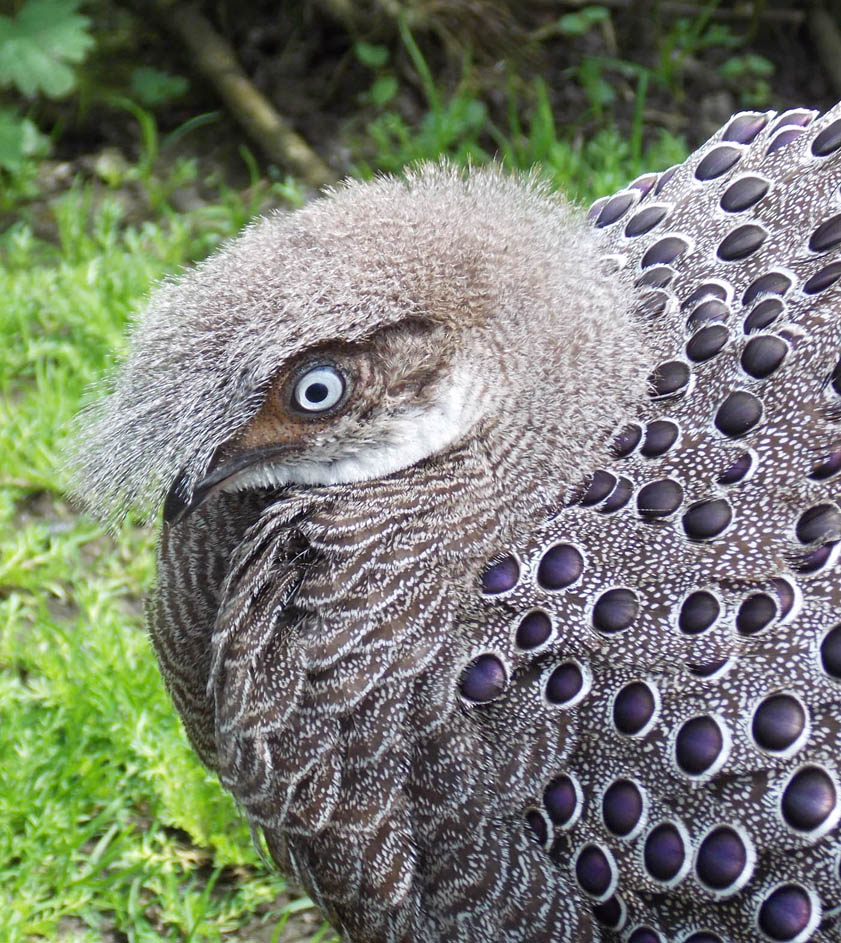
<point x="827" y="39"/>
<point x="215" y="59"/>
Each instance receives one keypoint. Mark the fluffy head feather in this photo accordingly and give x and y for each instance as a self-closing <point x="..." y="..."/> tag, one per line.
<point x="495" y="273"/>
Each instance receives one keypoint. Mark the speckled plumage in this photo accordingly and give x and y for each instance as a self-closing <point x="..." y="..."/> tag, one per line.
<point x="577" y="674"/>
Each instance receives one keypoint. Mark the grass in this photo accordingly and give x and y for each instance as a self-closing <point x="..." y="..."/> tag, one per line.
<point x="109" y="828"/>
<point x="460" y="127"/>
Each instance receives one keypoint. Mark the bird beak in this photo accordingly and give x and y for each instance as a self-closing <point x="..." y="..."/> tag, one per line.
<point x="219" y="476"/>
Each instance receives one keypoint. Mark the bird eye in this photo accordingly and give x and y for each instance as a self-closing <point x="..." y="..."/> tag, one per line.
<point x="318" y="390"/>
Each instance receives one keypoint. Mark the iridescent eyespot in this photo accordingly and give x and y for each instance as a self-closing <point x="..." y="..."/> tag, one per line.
<point x="318" y="390"/>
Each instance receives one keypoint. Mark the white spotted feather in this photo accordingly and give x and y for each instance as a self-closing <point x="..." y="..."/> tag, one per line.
<point x="560" y="658"/>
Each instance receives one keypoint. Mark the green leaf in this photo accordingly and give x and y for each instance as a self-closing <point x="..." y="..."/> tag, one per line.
<point x="370" y="55"/>
<point x="19" y="139"/>
<point x="37" y="44"/>
<point x="383" y="90"/>
<point x="737" y="67"/>
<point x="576" y="24"/>
<point x="154" y="87"/>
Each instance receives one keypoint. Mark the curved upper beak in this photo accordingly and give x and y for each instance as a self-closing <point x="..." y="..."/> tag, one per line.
<point x="220" y="474"/>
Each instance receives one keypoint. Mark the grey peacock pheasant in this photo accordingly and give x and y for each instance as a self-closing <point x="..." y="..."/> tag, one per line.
<point x="498" y="572"/>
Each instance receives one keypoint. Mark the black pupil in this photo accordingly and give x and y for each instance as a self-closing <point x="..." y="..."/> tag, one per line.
<point x="316" y="392"/>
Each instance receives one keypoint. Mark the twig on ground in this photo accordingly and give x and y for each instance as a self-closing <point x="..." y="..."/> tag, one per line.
<point x="216" y="61"/>
<point x="827" y="39"/>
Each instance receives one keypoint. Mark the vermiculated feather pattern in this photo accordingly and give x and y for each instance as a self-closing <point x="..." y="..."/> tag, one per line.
<point x="366" y="257"/>
<point x="577" y="675"/>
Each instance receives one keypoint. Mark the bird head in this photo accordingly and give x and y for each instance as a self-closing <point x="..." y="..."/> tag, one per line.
<point x="380" y="326"/>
